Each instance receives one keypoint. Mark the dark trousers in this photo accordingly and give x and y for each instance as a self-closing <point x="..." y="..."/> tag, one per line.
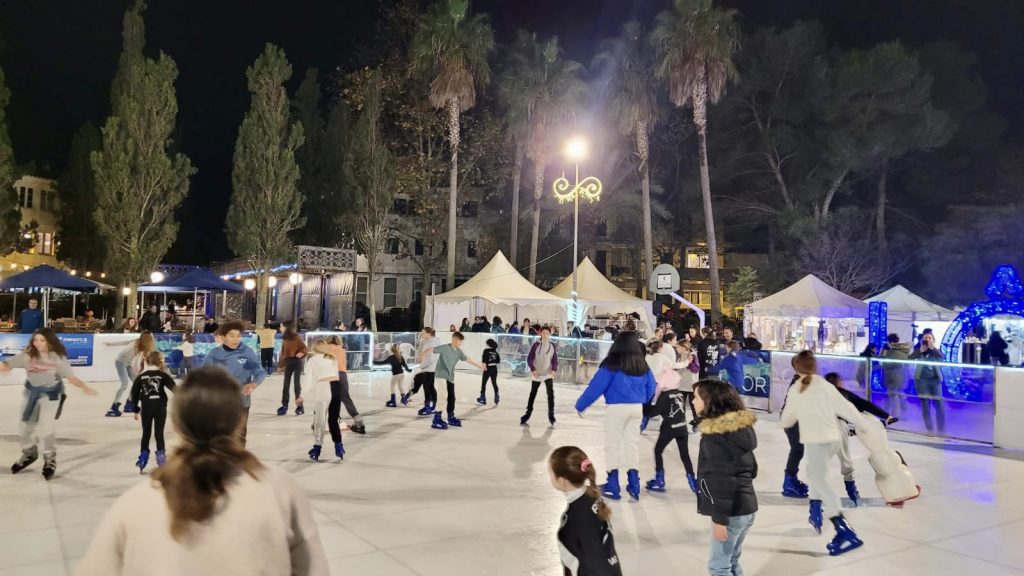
<point x="451" y="397"/>
<point x="534" y="386"/>
<point x="292" y="370"/>
<point x="426" y="380"/>
<point x="334" y="412"/>
<point x="492" y="374"/>
<point x="244" y="427"/>
<point x="345" y="398"/>
<point x="664" y="439"/>
<point x="796" y="450"/>
<point x="267" y="359"/>
<point x="154" y="417"/>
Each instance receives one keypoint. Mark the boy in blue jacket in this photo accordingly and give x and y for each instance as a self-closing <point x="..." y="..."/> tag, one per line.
<point x="241" y="362"/>
<point x="627" y="384"/>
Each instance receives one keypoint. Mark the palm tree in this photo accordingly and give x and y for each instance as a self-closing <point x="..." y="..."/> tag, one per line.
<point x="626" y="71"/>
<point x="450" y="48"/>
<point x="695" y="43"/>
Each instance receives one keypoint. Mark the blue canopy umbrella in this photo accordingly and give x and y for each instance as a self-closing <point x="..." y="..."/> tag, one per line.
<point x="47" y="278"/>
<point x="195" y="280"/>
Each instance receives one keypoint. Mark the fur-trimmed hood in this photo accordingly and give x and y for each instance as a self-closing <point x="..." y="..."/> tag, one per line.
<point x="726" y="423"/>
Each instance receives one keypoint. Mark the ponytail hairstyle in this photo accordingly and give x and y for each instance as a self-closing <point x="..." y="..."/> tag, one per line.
<point x="396" y="351"/>
<point x="571" y="463"/>
<point x="145" y="344"/>
<point x="208" y="416"/>
<point x="323" y="347"/>
<point x="654" y="346"/>
<point x="806" y="365"/>
<point x="156" y="359"/>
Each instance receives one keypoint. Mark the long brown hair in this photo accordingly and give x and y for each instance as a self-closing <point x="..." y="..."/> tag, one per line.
<point x="155" y="358"/>
<point x="571" y="463"/>
<point x="145" y="344"/>
<point x="208" y="415"/>
<point x="805" y="365"/>
<point x="56" y="346"/>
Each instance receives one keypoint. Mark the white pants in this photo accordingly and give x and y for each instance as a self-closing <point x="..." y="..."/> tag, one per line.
<point x="41" y="426"/>
<point x="398" y="383"/>
<point x="845" y="461"/>
<point x="319" y="420"/>
<point x="818" y="457"/>
<point x="622" y="436"/>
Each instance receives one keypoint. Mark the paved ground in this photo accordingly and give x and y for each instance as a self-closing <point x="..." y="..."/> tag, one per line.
<point x="412" y="500"/>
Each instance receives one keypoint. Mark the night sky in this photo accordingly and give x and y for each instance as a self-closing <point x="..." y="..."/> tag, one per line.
<point x="60" y="57"/>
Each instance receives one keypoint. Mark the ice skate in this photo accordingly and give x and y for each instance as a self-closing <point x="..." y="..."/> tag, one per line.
<point x="496" y="398"/>
<point x="643" y="424"/>
<point x="814" y="517"/>
<point x="851" y="491"/>
<point x="391" y="403"/>
<point x="314" y="453"/>
<point x="129" y="407"/>
<point x="339" y="450"/>
<point x="49" y="465"/>
<point x="611" y="488"/>
<point x="525" y="419"/>
<point x="161" y="458"/>
<point x="27" y="458"/>
<point x="692" y="481"/>
<point x="794" y="488"/>
<point x="453" y="421"/>
<point x="405" y="399"/>
<point x="114" y="411"/>
<point x="142" y="461"/>
<point x="551" y="420"/>
<point x="845" y="539"/>
<point x="657" y="484"/>
<point x="358" y="428"/>
<point x="482" y="400"/>
<point x="427" y="410"/>
<point x="633" y="483"/>
<point x="438" y="423"/>
<point x="282" y="410"/>
<point x="300" y="409"/>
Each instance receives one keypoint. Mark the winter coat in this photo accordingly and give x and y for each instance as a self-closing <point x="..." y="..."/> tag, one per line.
<point x="586" y="545"/>
<point x="895" y="372"/>
<point x="727" y="467"/>
<point x="617" y="388"/>
<point x="816" y="410"/>
<point x="671" y="406"/>
<point x="490" y="357"/>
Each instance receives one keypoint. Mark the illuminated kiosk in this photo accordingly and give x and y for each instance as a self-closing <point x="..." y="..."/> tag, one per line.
<point x="910" y="314"/>
<point x="809" y="314"/>
<point x="1005" y="298"/>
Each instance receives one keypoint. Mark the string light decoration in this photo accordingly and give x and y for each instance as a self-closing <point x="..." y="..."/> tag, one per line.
<point x="589" y="189"/>
<point x="878" y="329"/>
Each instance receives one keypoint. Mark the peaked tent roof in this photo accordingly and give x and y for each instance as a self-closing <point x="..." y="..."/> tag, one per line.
<point x="196" y="279"/>
<point x="809" y="297"/>
<point x="499" y="282"/>
<point x="44" y="276"/>
<point x="903" y="302"/>
<point x="592" y="286"/>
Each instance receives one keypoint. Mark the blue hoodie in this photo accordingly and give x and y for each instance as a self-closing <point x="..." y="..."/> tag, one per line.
<point x="617" y="388"/>
<point x="242" y="363"/>
<point x="30" y="320"/>
<point x="733" y="366"/>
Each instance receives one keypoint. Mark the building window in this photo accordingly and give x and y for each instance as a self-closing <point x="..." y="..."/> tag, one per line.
<point x="697" y="261"/>
<point x="391" y="246"/>
<point x="362" y="288"/>
<point x="42" y="200"/>
<point x="470" y="208"/>
<point x="28" y="198"/>
<point x="602" y="229"/>
<point x="45" y="245"/>
<point x="601" y="261"/>
<point x="418" y="249"/>
<point x="400" y="206"/>
<point x="471" y="249"/>
<point x="417" y="289"/>
<point x="390" y="292"/>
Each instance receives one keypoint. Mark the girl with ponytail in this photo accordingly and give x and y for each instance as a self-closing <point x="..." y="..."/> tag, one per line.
<point x="213" y="508"/>
<point x="585" y="541"/>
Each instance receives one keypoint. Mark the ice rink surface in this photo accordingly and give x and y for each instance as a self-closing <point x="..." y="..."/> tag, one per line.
<point x="476" y="501"/>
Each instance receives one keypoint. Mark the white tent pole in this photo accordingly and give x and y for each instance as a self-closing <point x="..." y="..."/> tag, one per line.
<point x="195" y="301"/>
<point x="14" y="306"/>
<point x="46" y="307"/>
<point x="74" y="304"/>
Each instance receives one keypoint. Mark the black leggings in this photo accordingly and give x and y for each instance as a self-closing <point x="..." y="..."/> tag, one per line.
<point x="664" y="439"/>
<point x="534" y="387"/>
<point x="796" y="450"/>
<point x="154" y="417"/>
<point x="492" y="373"/>
<point x="293" y="370"/>
<point x="334" y="412"/>
<point x="345" y="398"/>
<point x="451" y="397"/>
<point x="267" y="359"/>
<point x="426" y="380"/>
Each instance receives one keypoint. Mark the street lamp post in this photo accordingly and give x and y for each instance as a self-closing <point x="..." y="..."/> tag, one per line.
<point x="576" y="149"/>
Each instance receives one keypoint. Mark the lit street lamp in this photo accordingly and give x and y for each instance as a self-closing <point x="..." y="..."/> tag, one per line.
<point x="589" y="188"/>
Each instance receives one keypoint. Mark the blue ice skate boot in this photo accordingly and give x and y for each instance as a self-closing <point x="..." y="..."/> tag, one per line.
<point x="114" y="411"/>
<point x="339" y="450"/>
<point x="282" y="410"/>
<point x="453" y="421"/>
<point x="845" y="539"/>
<point x="427" y="410"/>
<point x="633" y="483"/>
<point x="391" y="403"/>
<point x="161" y="458"/>
<point x="482" y="400"/>
<point x="130" y="406"/>
<point x="496" y="398"/>
<point x="692" y="481"/>
<point x="405" y="399"/>
<point x="438" y="423"/>
<point x="300" y="410"/>
<point x="851" y="491"/>
<point x="314" y="453"/>
<point x="814" y="517"/>
<point x="643" y="424"/>
<point x="142" y="461"/>
<point x="658" y="483"/>
<point x="611" y="488"/>
<point x="793" y="488"/>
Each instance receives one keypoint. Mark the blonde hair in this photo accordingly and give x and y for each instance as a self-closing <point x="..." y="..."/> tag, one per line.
<point x="155" y="358"/>
<point x="145" y="344"/>
<point x="806" y="365"/>
<point x="323" y="347"/>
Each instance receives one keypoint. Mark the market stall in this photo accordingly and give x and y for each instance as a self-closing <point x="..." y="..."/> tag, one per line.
<point x="47" y="279"/>
<point x="810" y="314"/>
<point x="910" y="315"/>
<point x="603" y="300"/>
<point x="498" y="289"/>
<point x="194" y="282"/>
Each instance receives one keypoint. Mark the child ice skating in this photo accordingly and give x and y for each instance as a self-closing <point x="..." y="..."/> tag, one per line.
<point x="128" y="364"/>
<point x="815" y="404"/>
<point x="669" y="403"/>
<point x="149" y="393"/>
<point x="427" y="358"/>
<point x="627" y="384"/>
<point x="322" y="368"/>
<point x="585" y="542"/>
<point x="187" y="348"/>
<point x="726" y="470"/>
<point x="45" y="360"/>
<point x="491" y="359"/>
<point x="448" y="355"/>
<point x="241" y="363"/>
<point x="543" y="363"/>
<point x="398" y="370"/>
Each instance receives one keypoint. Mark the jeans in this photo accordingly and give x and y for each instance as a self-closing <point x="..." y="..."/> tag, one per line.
<point x="930" y="393"/>
<point x="725" y="556"/>
<point x="41" y="425"/>
<point x="124" y="374"/>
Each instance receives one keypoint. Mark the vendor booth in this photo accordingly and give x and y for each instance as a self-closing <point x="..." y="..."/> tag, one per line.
<point x="47" y="279"/>
<point x="498" y="289"/>
<point x="910" y="315"/>
<point x="194" y="282"/>
<point x="603" y="300"/>
<point x="809" y="315"/>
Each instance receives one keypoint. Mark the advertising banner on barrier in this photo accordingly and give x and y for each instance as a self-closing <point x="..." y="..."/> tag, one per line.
<point x="79" y="346"/>
<point x="750" y="371"/>
<point x="11" y="344"/>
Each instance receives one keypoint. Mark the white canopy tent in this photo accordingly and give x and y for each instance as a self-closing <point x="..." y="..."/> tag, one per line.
<point x="498" y="289"/>
<point x="600" y="296"/>
<point x="910" y="314"/>
<point x="794" y="318"/>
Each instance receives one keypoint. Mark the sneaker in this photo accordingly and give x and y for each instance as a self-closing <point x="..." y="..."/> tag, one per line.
<point x="49" y="465"/>
<point x="27" y="457"/>
<point x="358" y="428"/>
<point x="453" y="421"/>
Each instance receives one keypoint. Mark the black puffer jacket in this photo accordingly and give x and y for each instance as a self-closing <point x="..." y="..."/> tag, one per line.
<point x="727" y="466"/>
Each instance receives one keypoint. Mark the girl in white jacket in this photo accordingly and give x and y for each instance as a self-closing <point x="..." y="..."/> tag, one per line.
<point x="322" y="369"/>
<point x="815" y="404"/>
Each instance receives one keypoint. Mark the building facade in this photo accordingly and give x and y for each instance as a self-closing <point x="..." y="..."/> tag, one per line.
<point x="39" y="204"/>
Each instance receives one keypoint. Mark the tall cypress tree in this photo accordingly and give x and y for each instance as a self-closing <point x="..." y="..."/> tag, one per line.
<point x="139" y="183"/>
<point x="10" y="215"/>
<point x="77" y="188"/>
<point x="265" y="201"/>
